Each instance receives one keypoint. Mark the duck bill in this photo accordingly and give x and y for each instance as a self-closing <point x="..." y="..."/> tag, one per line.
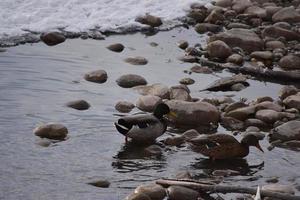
<point x="172" y="114"/>
<point x="259" y="147"/>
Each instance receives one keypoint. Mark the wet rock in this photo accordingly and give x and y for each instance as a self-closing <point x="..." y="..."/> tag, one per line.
<point x="130" y="80"/>
<point x="198" y="113"/>
<point x="242" y="113"/>
<point x="189" y="134"/>
<point x="234" y="106"/>
<point x="279" y="188"/>
<point x="100" y="183"/>
<point x="272" y="180"/>
<point x="149" y="20"/>
<point x="124" y="106"/>
<point x="98" y="76"/>
<point x="255" y="122"/>
<point x="198" y="14"/>
<point x="262" y="55"/>
<point x="154" y="191"/>
<point x="292" y="101"/>
<point x="44" y="142"/>
<point x="183" y="175"/>
<point x="252" y="129"/>
<point x="174" y="141"/>
<point x="290" y="62"/>
<point x="215" y="16"/>
<point x="268" y="105"/>
<point x="231" y="123"/>
<point x="224" y="84"/>
<point x="137" y="196"/>
<point x="148" y="103"/>
<point x="156" y="89"/>
<point x="240" y="5"/>
<point x="237" y="87"/>
<point x="292" y="110"/>
<point x="225" y="173"/>
<point x="274" y="45"/>
<point x="288" y="14"/>
<point x="187" y="81"/>
<point x="257" y="11"/>
<point x="207" y="27"/>
<point x="263" y="99"/>
<point x="238" y="25"/>
<point x="218" y="49"/>
<point x="117" y="47"/>
<point x="203" y="70"/>
<point x="188" y="58"/>
<point x="153" y="150"/>
<point x="268" y="116"/>
<point x="224" y="3"/>
<point x="136" y="60"/>
<point x="236" y="59"/>
<point x="52" y="38"/>
<point x="276" y="32"/>
<point x="51" y="131"/>
<point x="180" y="92"/>
<point x="183" y="44"/>
<point x="287" y="91"/>
<point x="182" y="193"/>
<point x="78" y="104"/>
<point x="246" y="39"/>
<point x="292" y="143"/>
<point x="271" y="10"/>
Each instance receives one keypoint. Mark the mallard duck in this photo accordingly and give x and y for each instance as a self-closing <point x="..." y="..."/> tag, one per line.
<point x="224" y="146"/>
<point x="145" y="128"/>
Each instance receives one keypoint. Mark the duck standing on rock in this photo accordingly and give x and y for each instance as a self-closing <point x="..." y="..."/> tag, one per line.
<point x="145" y="128"/>
<point x="224" y="146"/>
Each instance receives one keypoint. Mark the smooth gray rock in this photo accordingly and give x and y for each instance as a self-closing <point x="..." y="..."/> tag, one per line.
<point x="131" y="80"/>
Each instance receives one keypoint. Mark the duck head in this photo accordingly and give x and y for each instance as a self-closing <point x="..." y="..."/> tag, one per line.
<point x="251" y="140"/>
<point x="161" y="110"/>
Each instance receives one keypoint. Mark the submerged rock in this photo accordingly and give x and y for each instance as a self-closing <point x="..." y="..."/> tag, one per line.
<point x="98" y="76"/>
<point x="287" y="131"/>
<point x="124" y="106"/>
<point x="131" y="80"/>
<point x="51" y="131"/>
<point x="52" y="38"/>
<point x="136" y="60"/>
<point x="153" y="150"/>
<point x="79" y="104"/>
<point x="117" y="47"/>
<point x="154" y="191"/>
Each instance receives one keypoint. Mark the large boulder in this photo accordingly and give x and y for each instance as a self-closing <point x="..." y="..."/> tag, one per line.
<point x="194" y="113"/>
<point x="131" y="80"/>
<point x="218" y="49"/>
<point x="289" y="62"/>
<point x="287" y="131"/>
<point x="51" y="131"/>
<point x="288" y="14"/>
<point x="292" y="101"/>
<point x="52" y="38"/>
<point x="207" y="27"/>
<point x="246" y="39"/>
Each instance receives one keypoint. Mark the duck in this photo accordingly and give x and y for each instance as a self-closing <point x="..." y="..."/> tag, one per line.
<point x="145" y="128"/>
<point x="224" y="146"/>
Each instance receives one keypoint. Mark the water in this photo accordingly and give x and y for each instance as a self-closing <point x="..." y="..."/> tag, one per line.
<point x="35" y="83"/>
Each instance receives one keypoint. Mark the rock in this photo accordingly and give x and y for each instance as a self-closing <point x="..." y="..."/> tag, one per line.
<point x="262" y="55"/>
<point x="292" y="110"/>
<point x="124" y="106"/>
<point x="258" y="134"/>
<point x="246" y="39"/>
<point x="131" y="80"/>
<point x="181" y="193"/>
<point x="279" y="188"/>
<point x="288" y="14"/>
<point x="192" y="51"/>
<point x="215" y="16"/>
<point x="237" y="87"/>
<point x="292" y="144"/>
<point x="268" y="105"/>
<point x="137" y="196"/>
<point x="286" y="132"/>
<point x="240" y="5"/>
<point x="252" y="129"/>
<point x="207" y="27"/>
<point x="256" y="11"/>
<point x="276" y="32"/>
<point x="272" y="180"/>
<point x="263" y="99"/>
<point x="100" y="183"/>
<point x="187" y="81"/>
<point x="287" y="91"/>
<point x="148" y="103"/>
<point x="174" y="141"/>
<point x="52" y="38"/>
<point x="292" y="101"/>
<point x="154" y="191"/>
<point x="183" y="44"/>
<point x="156" y="89"/>
<point x="224" y="3"/>
<point x="189" y="134"/>
<point x="198" y="14"/>
<point x="117" y="47"/>
<point x="231" y="123"/>
<point x="242" y="113"/>
<point x="218" y="49"/>
<point x="98" y="76"/>
<point x="153" y="150"/>
<point x="44" y="142"/>
<point x="197" y="113"/>
<point x="180" y="92"/>
<point x="290" y="62"/>
<point x="224" y="84"/>
<point x="274" y="45"/>
<point x="203" y="70"/>
<point x="238" y="25"/>
<point x="136" y="60"/>
<point x="78" y="105"/>
<point x="225" y="173"/>
<point x="271" y="10"/>
<point x="234" y="106"/>
<point x="235" y="59"/>
<point x="149" y="20"/>
<point x="268" y="116"/>
<point x="51" y="131"/>
<point x="255" y="122"/>
<point x="190" y="59"/>
<point x="183" y="175"/>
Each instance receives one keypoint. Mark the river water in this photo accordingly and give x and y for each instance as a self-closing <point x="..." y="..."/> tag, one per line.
<point x="35" y="83"/>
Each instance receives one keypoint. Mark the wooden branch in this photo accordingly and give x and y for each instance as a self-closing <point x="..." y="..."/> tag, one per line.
<point x="225" y="189"/>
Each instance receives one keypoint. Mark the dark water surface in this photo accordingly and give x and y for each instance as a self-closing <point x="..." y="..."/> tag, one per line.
<point x="35" y="83"/>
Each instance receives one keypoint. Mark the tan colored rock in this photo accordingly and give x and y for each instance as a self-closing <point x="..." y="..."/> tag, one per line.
<point x="156" y="89"/>
<point x="236" y="59"/>
<point x="292" y="101"/>
<point x="274" y="45"/>
<point x="234" y="106"/>
<point x="124" y="106"/>
<point x="268" y="116"/>
<point x="148" y="103"/>
<point x="240" y="5"/>
<point x="290" y="62"/>
<point x="279" y="188"/>
<point x="154" y="191"/>
<point x="268" y="105"/>
<point x="218" y="49"/>
<point x="189" y="134"/>
<point x="51" y="131"/>
<point x="98" y="76"/>
<point x="257" y="11"/>
<point x="200" y="69"/>
<point x="262" y="55"/>
<point x="117" y="47"/>
<point x="287" y="91"/>
<point x="242" y="113"/>
<point x="182" y="193"/>
<point x="149" y="20"/>
<point x="180" y="92"/>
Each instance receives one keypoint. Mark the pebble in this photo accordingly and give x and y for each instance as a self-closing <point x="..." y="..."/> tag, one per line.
<point x="51" y="131"/>
<point x="78" y="105"/>
<point x="117" y="47"/>
<point x="182" y="44"/>
<point x="136" y="60"/>
<point x="52" y="38"/>
<point x="98" y="76"/>
<point x="124" y="106"/>
<point x="131" y="80"/>
<point x="187" y="81"/>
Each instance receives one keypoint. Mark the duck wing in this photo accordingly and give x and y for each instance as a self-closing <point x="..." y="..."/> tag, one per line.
<point x="214" y="140"/>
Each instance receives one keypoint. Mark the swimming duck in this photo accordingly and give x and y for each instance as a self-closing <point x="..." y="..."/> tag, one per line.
<point x="224" y="146"/>
<point x="145" y="128"/>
